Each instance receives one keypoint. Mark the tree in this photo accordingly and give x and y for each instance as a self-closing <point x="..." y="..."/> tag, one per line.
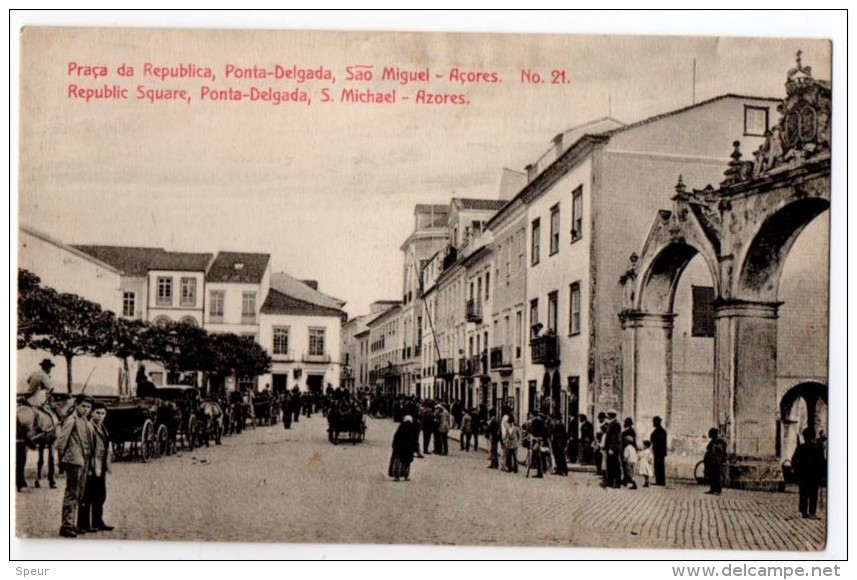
<point x="131" y="339"/>
<point x="229" y="354"/>
<point x="36" y="305"/>
<point x="67" y="325"/>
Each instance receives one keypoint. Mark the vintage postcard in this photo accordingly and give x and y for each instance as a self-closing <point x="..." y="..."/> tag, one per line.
<point x="353" y="287"/>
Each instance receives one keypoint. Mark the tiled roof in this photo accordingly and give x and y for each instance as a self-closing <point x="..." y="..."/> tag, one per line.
<point x="479" y="204"/>
<point x="131" y="261"/>
<point x="181" y="261"/>
<point x="238" y="268"/>
<point x="293" y="287"/>
<point x="278" y="303"/>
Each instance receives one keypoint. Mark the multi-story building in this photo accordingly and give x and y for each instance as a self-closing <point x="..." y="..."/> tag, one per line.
<point x="587" y="201"/>
<point x="385" y="351"/>
<point x="430" y="235"/>
<point x="301" y="329"/>
<point x="350" y="377"/>
<point x="232" y="292"/>
<point x="453" y="337"/>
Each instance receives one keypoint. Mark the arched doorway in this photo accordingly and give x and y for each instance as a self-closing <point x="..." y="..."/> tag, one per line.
<point x="802" y="406"/>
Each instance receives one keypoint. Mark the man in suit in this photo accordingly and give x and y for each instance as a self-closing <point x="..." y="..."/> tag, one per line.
<point x="90" y="516"/>
<point x="659" y="450"/>
<point x="613" y="449"/>
<point x="587" y="436"/>
<point x="74" y="445"/>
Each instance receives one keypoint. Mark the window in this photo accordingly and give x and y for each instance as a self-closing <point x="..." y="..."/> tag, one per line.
<point x="574" y="309"/>
<point x="552" y="307"/>
<point x="554" y="229"/>
<point x="248" y="306"/>
<point x="188" y="292"/>
<point x="703" y="311"/>
<point x="316" y="342"/>
<point x="536" y="236"/>
<point x="479" y="291"/>
<point x="215" y="310"/>
<point x="755" y="120"/>
<point x="165" y="291"/>
<point x="508" y="259"/>
<point x="129" y="303"/>
<point x="281" y="340"/>
<point x="519" y="332"/>
<point x="534" y="313"/>
<point x="577" y="214"/>
<point x="487" y="284"/>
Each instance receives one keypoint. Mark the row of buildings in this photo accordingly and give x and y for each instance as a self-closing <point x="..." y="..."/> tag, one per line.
<point x="232" y="292"/>
<point x="526" y="298"/>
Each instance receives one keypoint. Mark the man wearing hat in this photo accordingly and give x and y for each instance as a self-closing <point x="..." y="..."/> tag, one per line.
<point x="91" y="509"/>
<point x="613" y="449"/>
<point x="39" y="384"/>
<point x="74" y="445"/>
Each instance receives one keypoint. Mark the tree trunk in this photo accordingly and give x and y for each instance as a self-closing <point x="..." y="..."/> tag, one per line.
<point x="68" y="358"/>
<point x="126" y="367"/>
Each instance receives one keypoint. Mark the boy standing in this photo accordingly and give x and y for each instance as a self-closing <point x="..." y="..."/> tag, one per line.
<point x="90" y="513"/>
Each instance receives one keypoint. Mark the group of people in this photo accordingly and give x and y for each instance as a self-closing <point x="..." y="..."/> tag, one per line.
<point x="619" y="457"/>
<point x="83" y="446"/>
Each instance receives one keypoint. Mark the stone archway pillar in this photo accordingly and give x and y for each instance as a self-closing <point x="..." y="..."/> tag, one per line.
<point x="746" y="407"/>
<point x="647" y="366"/>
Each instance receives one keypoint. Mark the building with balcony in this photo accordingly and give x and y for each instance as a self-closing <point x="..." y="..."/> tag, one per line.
<point x="429" y="236"/>
<point x="385" y="348"/>
<point x="586" y="202"/>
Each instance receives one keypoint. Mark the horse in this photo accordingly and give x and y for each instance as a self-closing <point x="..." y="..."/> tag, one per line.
<point x="36" y="428"/>
<point x="210" y="421"/>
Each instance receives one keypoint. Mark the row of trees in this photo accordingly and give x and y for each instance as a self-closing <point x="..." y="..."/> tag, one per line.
<point x="67" y="325"/>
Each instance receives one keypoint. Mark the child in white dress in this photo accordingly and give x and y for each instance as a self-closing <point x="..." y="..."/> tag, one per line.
<point x="646" y="462"/>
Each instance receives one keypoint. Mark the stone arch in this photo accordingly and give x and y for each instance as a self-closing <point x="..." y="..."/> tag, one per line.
<point x="189" y="320"/>
<point x="663" y="272"/>
<point x="803" y="405"/>
<point x="759" y="273"/>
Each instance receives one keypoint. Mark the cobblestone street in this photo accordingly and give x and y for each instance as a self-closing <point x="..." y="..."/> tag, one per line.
<point x="273" y="485"/>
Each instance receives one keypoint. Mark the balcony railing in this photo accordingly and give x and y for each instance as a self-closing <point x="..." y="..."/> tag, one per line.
<point x="500" y="357"/>
<point x="445" y="367"/>
<point x="389" y="371"/>
<point x="473" y="311"/>
<point x="283" y="356"/>
<point x="464" y="366"/>
<point x="316" y="358"/>
<point x="545" y="350"/>
<point x="418" y="350"/>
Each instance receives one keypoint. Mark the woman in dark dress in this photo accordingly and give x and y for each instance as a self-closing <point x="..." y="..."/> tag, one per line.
<point x="403" y="450"/>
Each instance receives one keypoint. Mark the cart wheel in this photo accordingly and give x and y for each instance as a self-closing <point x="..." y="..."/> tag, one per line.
<point x="118" y="450"/>
<point x="162" y="441"/>
<point x="190" y="434"/>
<point x="147" y="441"/>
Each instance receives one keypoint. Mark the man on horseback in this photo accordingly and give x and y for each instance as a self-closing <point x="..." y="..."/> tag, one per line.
<point x="39" y="384"/>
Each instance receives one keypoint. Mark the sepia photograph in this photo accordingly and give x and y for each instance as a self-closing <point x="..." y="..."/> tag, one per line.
<point x="423" y="288"/>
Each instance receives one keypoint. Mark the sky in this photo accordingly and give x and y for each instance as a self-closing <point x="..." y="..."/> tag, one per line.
<point x="329" y="189"/>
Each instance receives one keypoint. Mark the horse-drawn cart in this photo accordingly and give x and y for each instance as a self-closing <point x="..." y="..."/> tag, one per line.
<point x="135" y="428"/>
<point x="183" y="402"/>
<point x="347" y="420"/>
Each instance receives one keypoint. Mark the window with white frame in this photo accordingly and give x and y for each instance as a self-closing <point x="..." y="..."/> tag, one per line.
<point x="281" y="340"/>
<point x="577" y="214"/>
<point x="574" y="309"/>
<point x="554" y="239"/>
<point x="165" y="291"/>
<point x="552" y="310"/>
<point x="215" y="308"/>
<point x="188" y="292"/>
<point x="537" y="233"/>
<point x="129" y="303"/>
<point x="248" y="305"/>
<point x="316" y="342"/>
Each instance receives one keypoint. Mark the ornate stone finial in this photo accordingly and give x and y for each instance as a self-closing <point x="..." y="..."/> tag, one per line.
<point x="797" y="57"/>
<point x="738" y="170"/>
<point x="679" y="187"/>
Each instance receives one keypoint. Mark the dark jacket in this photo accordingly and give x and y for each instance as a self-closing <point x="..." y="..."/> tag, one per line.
<point x="808" y="464"/>
<point x="659" y="442"/>
<point x="403" y="442"/>
<point x="613" y="437"/>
